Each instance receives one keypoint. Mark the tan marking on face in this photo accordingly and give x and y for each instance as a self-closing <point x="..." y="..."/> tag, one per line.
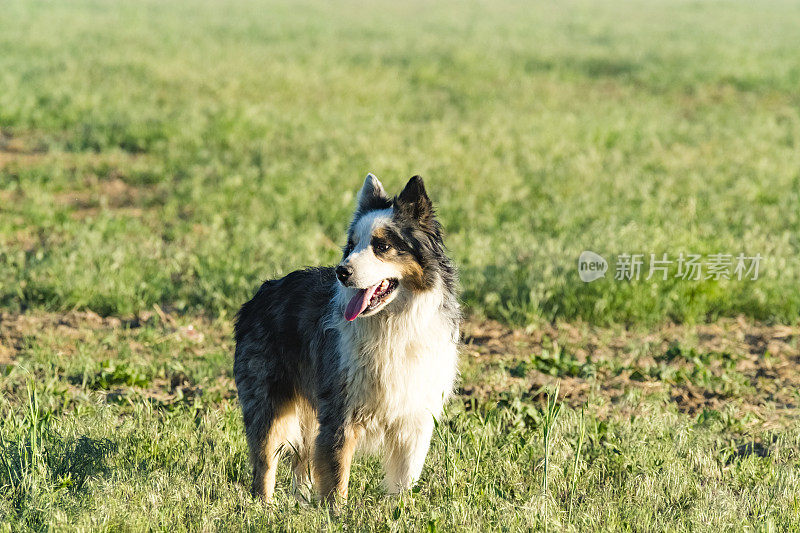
<point x="411" y="272"/>
<point x="413" y="275"/>
<point x="380" y="233"/>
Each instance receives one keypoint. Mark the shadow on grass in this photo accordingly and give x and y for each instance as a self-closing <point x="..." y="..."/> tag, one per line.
<point x="35" y="459"/>
<point x="65" y="463"/>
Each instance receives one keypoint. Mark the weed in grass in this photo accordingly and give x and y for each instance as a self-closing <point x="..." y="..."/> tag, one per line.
<point x="576" y="464"/>
<point x="557" y="364"/>
<point x="111" y="373"/>
<point x="552" y="409"/>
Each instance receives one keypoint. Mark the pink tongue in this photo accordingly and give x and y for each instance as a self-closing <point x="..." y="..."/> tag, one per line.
<point x="359" y="302"/>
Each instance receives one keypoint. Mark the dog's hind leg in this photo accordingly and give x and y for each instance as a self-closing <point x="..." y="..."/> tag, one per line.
<point x="267" y="436"/>
<point x="302" y="451"/>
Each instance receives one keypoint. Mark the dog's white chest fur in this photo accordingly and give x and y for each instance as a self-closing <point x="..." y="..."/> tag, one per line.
<point x="400" y="367"/>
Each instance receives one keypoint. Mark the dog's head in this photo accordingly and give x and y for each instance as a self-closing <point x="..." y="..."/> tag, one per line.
<point x="393" y="245"/>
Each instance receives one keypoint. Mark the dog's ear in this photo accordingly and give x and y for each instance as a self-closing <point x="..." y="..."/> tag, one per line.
<point x="372" y="194"/>
<point x="413" y="201"/>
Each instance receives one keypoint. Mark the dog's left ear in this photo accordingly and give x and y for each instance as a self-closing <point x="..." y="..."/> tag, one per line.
<point x="414" y="202"/>
<point x="372" y="193"/>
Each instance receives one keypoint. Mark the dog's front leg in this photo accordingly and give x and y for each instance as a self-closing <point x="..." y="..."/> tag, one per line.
<point x="407" y="446"/>
<point x="333" y="456"/>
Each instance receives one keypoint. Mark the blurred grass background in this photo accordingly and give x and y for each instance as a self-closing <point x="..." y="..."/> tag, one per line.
<point x="180" y="152"/>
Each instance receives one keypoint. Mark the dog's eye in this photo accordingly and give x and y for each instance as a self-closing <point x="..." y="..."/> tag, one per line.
<point x="380" y="247"/>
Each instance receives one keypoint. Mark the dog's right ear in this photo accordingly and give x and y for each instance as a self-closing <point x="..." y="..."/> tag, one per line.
<point x="414" y="201"/>
<point x="372" y="195"/>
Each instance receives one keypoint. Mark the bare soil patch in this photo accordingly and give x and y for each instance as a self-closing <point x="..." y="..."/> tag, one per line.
<point x="695" y="367"/>
<point x="100" y="178"/>
<point x="113" y="193"/>
<point x="707" y="366"/>
<point x="20" y="151"/>
<point x="62" y="334"/>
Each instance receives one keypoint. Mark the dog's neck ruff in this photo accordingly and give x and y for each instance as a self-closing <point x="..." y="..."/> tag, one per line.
<point x="400" y="362"/>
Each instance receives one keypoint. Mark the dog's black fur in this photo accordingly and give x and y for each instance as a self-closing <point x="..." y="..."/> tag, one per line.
<point x="293" y="348"/>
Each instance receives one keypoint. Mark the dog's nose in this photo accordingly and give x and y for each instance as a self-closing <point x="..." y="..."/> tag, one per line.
<point x="343" y="273"/>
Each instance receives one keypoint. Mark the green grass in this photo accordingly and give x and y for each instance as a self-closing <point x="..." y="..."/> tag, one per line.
<point x="137" y="428"/>
<point x="188" y="470"/>
<point x="173" y="154"/>
<point x="242" y="132"/>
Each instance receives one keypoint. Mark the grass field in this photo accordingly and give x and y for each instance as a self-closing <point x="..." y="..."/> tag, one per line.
<point x="159" y="159"/>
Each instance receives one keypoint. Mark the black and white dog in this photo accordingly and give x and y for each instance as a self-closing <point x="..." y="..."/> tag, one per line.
<point x="361" y="355"/>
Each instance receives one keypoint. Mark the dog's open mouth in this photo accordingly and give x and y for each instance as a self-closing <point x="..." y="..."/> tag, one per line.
<point x="369" y="299"/>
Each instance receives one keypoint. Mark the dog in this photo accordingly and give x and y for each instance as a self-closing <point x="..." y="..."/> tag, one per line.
<point x="363" y="355"/>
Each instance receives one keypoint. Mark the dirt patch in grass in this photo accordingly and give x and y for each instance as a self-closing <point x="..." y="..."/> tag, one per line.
<point x="100" y="177"/>
<point x="152" y="340"/>
<point x="31" y="148"/>
<point x="703" y="367"/>
<point x="20" y="151"/>
<point x="695" y="367"/>
<point x="113" y="193"/>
